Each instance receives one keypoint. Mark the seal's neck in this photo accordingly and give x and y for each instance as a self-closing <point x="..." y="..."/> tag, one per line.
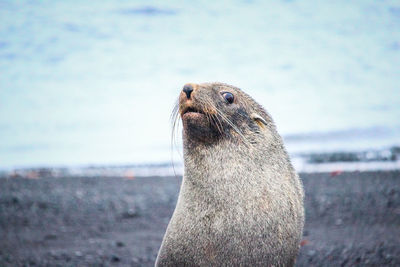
<point x="230" y="166"/>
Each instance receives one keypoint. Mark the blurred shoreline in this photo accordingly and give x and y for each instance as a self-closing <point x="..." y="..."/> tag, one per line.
<point x="387" y="159"/>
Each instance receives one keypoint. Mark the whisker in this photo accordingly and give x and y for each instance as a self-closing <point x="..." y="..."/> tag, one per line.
<point x="233" y="126"/>
<point x="175" y="126"/>
<point x="213" y="118"/>
<point x="217" y="123"/>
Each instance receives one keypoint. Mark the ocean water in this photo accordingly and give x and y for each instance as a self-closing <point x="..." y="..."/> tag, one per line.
<point x="85" y="82"/>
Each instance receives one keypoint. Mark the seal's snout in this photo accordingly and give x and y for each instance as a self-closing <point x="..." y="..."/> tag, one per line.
<point x="188" y="89"/>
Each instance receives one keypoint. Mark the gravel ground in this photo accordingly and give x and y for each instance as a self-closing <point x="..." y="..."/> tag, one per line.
<point x="351" y="219"/>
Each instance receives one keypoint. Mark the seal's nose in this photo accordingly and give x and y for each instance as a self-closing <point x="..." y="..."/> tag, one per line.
<point x="188" y="89"/>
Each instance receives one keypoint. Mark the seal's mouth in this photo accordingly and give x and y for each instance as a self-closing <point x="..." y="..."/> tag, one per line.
<point x="191" y="110"/>
<point x="192" y="113"/>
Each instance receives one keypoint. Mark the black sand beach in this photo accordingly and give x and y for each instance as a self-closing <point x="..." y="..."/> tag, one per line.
<point x="351" y="219"/>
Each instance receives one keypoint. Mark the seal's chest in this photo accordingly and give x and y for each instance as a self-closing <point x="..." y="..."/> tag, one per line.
<point x="233" y="221"/>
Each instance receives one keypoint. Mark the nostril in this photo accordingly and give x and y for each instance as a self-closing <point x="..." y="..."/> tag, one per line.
<point x="188" y="89"/>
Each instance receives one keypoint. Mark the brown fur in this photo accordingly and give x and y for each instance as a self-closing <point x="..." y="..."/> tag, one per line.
<point x="241" y="202"/>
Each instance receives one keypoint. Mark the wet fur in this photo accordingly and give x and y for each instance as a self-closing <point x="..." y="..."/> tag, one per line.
<point x="241" y="202"/>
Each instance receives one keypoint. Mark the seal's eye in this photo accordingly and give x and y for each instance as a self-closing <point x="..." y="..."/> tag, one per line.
<point x="228" y="97"/>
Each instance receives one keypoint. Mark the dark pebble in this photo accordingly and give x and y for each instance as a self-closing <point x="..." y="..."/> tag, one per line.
<point x="131" y="213"/>
<point x="115" y="258"/>
<point x="120" y="244"/>
<point x="50" y="237"/>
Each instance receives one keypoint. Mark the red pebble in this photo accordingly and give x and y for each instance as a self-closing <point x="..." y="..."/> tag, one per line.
<point x="304" y="242"/>
<point x="335" y="173"/>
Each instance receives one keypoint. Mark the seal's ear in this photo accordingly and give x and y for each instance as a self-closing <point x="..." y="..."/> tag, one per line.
<point x="258" y="119"/>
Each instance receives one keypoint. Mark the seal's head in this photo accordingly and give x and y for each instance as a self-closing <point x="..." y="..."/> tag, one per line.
<point x="212" y="112"/>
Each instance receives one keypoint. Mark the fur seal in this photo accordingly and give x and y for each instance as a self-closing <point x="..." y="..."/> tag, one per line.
<point x="241" y="201"/>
